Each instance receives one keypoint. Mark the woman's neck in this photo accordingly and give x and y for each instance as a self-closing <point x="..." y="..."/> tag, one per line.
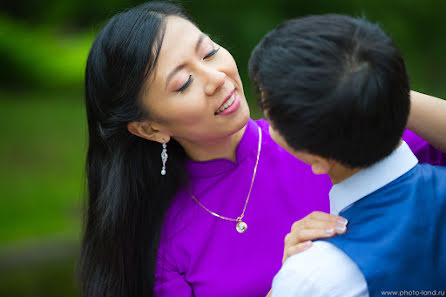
<point x="223" y="148"/>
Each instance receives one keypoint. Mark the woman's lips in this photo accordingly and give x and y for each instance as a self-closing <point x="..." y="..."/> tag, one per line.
<point x="230" y="105"/>
<point x="226" y="100"/>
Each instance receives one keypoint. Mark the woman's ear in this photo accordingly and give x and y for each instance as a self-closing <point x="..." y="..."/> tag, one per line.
<point x="147" y="130"/>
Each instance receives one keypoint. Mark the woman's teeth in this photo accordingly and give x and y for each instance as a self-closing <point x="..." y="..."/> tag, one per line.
<point x="227" y="104"/>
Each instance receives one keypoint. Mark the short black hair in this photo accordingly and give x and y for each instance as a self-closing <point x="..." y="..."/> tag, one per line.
<point x="333" y="85"/>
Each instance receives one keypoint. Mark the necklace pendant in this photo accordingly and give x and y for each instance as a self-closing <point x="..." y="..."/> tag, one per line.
<point x="241" y="227"/>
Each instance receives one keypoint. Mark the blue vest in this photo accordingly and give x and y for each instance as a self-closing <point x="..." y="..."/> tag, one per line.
<point x="397" y="234"/>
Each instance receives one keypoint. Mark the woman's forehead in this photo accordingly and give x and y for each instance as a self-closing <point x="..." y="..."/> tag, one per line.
<point x="179" y="44"/>
<point x="179" y="34"/>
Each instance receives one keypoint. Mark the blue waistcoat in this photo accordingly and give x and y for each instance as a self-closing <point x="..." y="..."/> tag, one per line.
<point x="397" y="234"/>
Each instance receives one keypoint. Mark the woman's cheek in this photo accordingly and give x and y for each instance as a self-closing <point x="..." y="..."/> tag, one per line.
<point x="192" y="106"/>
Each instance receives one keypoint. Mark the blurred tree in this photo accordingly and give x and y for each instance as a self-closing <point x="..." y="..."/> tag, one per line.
<point x="45" y="43"/>
<point x="43" y="49"/>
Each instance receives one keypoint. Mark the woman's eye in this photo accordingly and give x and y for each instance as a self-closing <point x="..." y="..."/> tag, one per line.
<point x="184" y="87"/>
<point x="213" y="52"/>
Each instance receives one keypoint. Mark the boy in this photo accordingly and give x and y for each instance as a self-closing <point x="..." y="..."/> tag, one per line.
<point x="336" y="93"/>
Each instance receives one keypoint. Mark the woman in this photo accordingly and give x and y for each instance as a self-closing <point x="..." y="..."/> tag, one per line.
<point x="181" y="181"/>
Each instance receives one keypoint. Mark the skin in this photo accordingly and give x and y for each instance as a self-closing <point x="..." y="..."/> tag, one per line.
<point x="428" y="119"/>
<point x="316" y="225"/>
<point x="208" y="77"/>
<point x="319" y="165"/>
<point x="189" y="116"/>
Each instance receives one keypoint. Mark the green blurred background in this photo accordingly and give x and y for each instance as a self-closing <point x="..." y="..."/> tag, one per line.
<point x="43" y="49"/>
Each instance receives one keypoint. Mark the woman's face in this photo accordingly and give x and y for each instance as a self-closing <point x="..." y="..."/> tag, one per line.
<point x="194" y="81"/>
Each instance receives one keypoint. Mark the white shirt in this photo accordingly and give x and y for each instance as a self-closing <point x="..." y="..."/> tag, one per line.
<point x="324" y="269"/>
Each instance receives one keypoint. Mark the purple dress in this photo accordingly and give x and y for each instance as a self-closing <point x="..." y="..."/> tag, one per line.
<point x="202" y="255"/>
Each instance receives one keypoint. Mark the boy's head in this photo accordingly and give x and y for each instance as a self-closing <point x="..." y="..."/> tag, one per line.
<point x="332" y="87"/>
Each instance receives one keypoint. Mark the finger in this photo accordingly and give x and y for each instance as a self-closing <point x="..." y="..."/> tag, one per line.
<point x="292" y="250"/>
<point x="316" y="224"/>
<point x="297" y="237"/>
<point x="323" y="216"/>
<point x="311" y="222"/>
<point x="312" y="234"/>
<point x="298" y="234"/>
<point x="302" y="235"/>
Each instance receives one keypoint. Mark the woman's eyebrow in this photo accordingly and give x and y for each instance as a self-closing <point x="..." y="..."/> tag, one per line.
<point x="181" y="66"/>
<point x="200" y="41"/>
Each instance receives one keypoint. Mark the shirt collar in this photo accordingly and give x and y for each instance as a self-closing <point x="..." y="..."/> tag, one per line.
<point x="247" y="145"/>
<point x="370" y="179"/>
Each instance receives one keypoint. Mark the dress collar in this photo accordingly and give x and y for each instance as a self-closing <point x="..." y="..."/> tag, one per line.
<point x="247" y="145"/>
<point x="370" y="179"/>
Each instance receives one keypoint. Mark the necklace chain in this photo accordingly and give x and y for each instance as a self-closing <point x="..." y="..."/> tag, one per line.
<point x="240" y="218"/>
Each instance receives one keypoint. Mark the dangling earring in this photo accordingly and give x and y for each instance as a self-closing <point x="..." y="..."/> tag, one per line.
<point x="164" y="158"/>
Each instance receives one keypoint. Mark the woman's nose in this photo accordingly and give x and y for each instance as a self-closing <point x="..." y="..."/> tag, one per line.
<point x="214" y="80"/>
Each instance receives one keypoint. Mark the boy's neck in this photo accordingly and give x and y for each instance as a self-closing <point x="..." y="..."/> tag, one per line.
<point x="339" y="173"/>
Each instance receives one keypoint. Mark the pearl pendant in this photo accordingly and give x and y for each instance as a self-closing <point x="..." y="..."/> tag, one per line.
<point x="241" y="227"/>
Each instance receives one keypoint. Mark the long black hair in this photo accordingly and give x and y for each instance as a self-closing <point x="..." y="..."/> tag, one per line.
<point x="127" y="195"/>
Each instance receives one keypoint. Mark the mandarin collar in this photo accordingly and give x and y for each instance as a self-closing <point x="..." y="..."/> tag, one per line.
<point x="247" y="144"/>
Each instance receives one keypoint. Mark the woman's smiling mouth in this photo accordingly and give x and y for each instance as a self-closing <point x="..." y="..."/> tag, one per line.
<point x="230" y="105"/>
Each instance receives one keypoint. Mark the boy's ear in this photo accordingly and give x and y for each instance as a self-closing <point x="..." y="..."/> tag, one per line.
<point x="321" y="165"/>
<point x="147" y="130"/>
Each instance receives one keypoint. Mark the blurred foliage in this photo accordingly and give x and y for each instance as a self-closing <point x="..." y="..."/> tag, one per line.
<point x="416" y="26"/>
<point x="43" y="50"/>
<point x="42" y="155"/>
<point x="41" y="187"/>
<point x="41" y="58"/>
<point x="45" y="44"/>
<point x="47" y="271"/>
